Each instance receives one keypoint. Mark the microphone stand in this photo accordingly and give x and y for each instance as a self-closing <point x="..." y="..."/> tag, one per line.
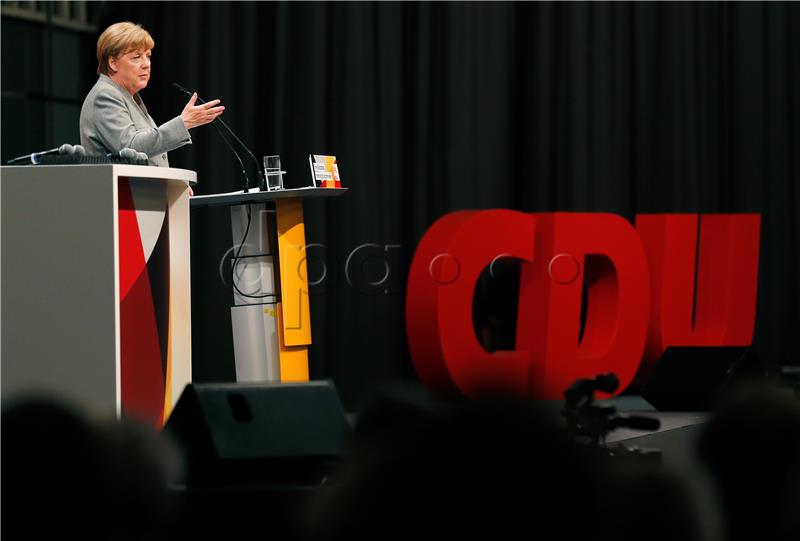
<point x="261" y="184"/>
<point x="246" y="184"/>
<point x="37" y="156"/>
<point x="589" y="423"/>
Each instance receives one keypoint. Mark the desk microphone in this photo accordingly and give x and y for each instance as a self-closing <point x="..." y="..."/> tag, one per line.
<point x="35" y="158"/>
<point x="126" y="153"/>
<point x="261" y="185"/>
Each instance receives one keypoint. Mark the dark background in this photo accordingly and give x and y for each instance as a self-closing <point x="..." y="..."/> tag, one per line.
<point x="436" y="107"/>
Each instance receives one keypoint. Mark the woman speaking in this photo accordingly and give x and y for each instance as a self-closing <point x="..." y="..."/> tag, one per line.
<point x="113" y="115"/>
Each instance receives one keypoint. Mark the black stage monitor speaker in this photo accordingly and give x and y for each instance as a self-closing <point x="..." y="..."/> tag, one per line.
<point x="282" y="433"/>
<point x="694" y="378"/>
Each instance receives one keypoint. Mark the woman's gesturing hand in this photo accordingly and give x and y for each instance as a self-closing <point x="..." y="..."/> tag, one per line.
<point x="197" y="115"/>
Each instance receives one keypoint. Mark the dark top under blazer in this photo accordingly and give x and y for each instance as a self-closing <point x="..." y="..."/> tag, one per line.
<point x="112" y="119"/>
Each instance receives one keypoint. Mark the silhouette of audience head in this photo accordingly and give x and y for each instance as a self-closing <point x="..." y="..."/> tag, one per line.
<point x="65" y="476"/>
<point x="495" y="467"/>
<point x="751" y="446"/>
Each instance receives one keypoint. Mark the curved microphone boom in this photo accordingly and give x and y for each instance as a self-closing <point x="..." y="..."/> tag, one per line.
<point x="261" y="183"/>
<point x="246" y="183"/>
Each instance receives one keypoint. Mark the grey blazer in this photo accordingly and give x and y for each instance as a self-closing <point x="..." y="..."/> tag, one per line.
<point x="112" y="119"/>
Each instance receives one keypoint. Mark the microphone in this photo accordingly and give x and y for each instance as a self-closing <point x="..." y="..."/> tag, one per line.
<point x="142" y="156"/>
<point x="607" y="382"/>
<point x="126" y="154"/>
<point x="246" y="183"/>
<point x="79" y="150"/>
<point x="35" y="158"/>
<point x="261" y="184"/>
<point x="582" y="391"/>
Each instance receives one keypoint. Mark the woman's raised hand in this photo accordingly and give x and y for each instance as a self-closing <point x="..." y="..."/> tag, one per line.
<point x="197" y="115"/>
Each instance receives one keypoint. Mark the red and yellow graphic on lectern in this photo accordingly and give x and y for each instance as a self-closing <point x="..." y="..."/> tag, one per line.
<point x="145" y="307"/>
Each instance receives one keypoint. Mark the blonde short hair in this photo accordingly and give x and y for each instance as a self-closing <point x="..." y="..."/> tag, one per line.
<point x="120" y="38"/>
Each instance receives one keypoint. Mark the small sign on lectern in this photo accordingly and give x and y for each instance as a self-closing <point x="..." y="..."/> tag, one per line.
<point x="324" y="171"/>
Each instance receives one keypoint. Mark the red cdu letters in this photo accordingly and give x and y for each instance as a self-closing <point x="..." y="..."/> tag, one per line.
<point x="441" y="283"/>
<point x="708" y="300"/>
<point x="600" y="255"/>
<point x="604" y="251"/>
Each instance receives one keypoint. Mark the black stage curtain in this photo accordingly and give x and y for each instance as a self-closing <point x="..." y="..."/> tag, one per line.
<point x="435" y="107"/>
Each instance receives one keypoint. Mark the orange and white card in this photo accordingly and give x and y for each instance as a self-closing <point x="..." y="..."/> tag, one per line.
<point x="324" y="171"/>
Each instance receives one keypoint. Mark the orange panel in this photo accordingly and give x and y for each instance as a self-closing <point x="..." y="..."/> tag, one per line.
<point x="293" y="359"/>
<point x="296" y="312"/>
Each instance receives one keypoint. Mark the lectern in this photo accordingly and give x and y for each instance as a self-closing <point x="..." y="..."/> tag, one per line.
<point x="270" y="312"/>
<point x="95" y="286"/>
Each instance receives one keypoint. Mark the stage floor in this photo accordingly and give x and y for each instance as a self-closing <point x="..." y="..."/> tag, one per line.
<point x="636" y="405"/>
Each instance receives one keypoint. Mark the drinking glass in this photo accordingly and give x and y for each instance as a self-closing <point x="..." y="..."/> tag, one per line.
<point x="272" y="170"/>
